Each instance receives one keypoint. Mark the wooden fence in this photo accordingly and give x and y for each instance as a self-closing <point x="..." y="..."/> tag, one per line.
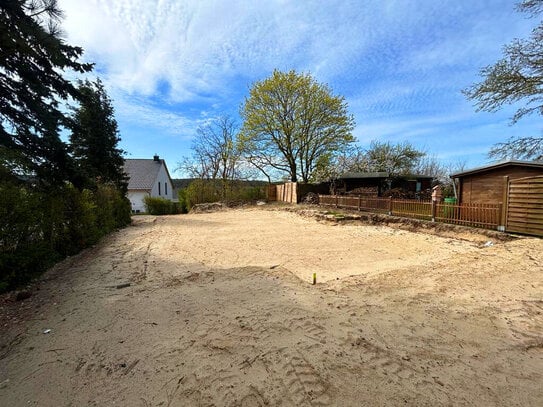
<point x="525" y="206"/>
<point x="487" y="216"/>
<point x="287" y="192"/>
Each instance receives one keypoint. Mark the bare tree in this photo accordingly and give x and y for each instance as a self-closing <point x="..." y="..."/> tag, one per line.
<point x="516" y="78"/>
<point x="215" y="153"/>
<point x="431" y="166"/>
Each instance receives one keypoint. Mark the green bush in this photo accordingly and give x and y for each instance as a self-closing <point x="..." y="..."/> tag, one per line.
<point x="24" y="251"/>
<point x="112" y="207"/>
<point x="73" y="220"/>
<point x="159" y="206"/>
<point x="40" y="227"/>
<point x="184" y="204"/>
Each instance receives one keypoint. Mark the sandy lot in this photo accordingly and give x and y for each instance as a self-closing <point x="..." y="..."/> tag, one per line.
<point x="220" y="311"/>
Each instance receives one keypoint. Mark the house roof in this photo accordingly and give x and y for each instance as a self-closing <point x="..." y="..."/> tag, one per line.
<point x="500" y="164"/>
<point x="382" y="174"/>
<point x="142" y="172"/>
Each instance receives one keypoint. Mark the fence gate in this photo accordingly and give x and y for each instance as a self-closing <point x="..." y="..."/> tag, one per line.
<point x="525" y="206"/>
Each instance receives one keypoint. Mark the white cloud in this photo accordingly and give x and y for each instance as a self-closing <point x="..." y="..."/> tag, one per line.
<point x="142" y="114"/>
<point x="170" y="63"/>
<point x="195" y="45"/>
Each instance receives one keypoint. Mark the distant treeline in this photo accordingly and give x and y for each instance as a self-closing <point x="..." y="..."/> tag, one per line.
<point x="181" y="183"/>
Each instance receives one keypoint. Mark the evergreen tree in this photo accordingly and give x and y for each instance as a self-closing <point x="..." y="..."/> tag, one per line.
<point x="32" y="88"/>
<point x="95" y="137"/>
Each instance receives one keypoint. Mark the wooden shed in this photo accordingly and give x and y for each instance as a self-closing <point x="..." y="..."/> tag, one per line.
<point x="487" y="184"/>
<point x="379" y="183"/>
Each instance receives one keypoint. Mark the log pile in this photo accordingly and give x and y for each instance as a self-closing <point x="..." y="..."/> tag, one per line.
<point x="311" y="198"/>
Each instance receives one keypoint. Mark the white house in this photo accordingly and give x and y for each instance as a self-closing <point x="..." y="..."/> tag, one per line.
<point x="147" y="177"/>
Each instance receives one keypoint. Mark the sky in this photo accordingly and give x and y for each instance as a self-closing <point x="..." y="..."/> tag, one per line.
<point x="171" y="65"/>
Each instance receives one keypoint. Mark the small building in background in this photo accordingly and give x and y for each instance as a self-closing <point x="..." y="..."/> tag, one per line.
<point x="147" y="177"/>
<point x="487" y="184"/>
<point x="383" y="184"/>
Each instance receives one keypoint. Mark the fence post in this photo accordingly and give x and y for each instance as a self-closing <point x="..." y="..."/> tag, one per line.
<point x="359" y="199"/>
<point x="502" y="224"/>
<point x="434" y="204"/>
<point x="501" y="228"/>
<point x="337" y="201"/>
<point x="390" y="206"/>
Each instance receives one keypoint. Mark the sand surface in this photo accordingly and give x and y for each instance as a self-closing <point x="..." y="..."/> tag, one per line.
<point x="220" y="311"/>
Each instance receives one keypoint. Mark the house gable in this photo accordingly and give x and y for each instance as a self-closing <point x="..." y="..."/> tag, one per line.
<point x="147" y="177"/>
<point x="163" y="185"/>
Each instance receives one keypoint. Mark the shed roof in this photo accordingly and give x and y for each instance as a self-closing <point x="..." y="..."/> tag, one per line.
<point x="500" y="164"/>
<point x="142" y="172"/>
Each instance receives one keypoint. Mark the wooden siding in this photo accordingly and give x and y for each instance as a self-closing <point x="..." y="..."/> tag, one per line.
<point x="488" y="187"/>
<point x="525" y="206"/>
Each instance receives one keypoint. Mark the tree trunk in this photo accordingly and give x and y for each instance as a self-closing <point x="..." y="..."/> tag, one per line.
<point x="293" y="177"/>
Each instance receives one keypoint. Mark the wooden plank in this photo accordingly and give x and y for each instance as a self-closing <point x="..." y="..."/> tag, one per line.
<point x="527" y="189"/>
<point x="535" y="192"/>
<point x="526" y="199"/>
<point x="529" y="180"/>
<point x="525" y="208"/>
<point x="525" y="211"/>
<point x="527" y="225"/>
<point x="525" y="203"/>
<point x="526" y="230"/>
<point x="534" y="197"/>
<point x="525" y="218"/>
<point x="516" y="215"/>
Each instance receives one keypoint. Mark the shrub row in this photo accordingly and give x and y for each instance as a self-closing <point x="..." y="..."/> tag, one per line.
<point x="39" y="228"/>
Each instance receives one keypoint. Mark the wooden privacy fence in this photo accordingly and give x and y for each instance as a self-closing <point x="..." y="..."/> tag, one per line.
<point x="487" y="216"/>
<point x="525" y="206"/>
<point x="287" y="192"/>
<point x="293" y="192"/>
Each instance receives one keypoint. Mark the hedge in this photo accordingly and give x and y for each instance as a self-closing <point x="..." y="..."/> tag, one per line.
<point x="40" y="227"/>
<point x="160" y="206"/>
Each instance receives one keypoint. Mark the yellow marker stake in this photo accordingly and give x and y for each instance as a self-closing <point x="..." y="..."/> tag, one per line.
<point x="314" y="278"/>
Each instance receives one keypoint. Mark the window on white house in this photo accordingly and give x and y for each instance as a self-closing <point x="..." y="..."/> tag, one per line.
<point x="159" y="188"/>
<point x="165" y="188"/>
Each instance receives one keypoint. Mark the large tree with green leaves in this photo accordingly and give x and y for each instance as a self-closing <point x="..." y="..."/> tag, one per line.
<point x="33" y="58"/>
<point x="517" y="77"/>
<point x="291" y="121"/>
<point x="95" y="138"/>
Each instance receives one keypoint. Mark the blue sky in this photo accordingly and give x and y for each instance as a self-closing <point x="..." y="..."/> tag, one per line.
<point x="170" y="65"/>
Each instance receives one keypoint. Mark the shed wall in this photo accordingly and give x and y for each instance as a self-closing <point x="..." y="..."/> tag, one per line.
<point x="488" y="187"/>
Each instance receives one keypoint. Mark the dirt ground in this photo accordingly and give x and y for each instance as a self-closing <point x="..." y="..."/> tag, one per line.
<point x="220" y="311"/>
